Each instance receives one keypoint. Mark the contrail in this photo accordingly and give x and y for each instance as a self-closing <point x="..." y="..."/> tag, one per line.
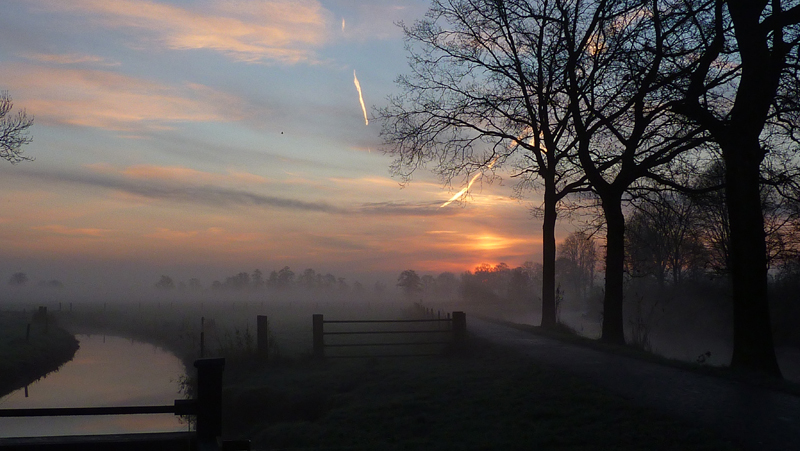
<point x="461" y="193"/>
<point x="360" y="99"/>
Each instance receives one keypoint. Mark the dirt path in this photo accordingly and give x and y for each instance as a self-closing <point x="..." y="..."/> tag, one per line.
<point x="760" y="418"/>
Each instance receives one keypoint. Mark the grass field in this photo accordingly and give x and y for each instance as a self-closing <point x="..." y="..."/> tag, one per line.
<point x="22" y="360"/>
<point x="481" y="398"/>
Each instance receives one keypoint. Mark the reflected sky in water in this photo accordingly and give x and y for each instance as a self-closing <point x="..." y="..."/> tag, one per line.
<point x="106" y="371"/>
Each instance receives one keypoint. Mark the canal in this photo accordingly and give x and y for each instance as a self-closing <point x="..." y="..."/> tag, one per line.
<point x="106" y="371"/>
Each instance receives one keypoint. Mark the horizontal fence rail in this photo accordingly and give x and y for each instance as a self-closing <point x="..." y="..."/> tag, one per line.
<point x="207" y="409"/>
<point x="455" y="327"/>
<point x="113" y="410"/>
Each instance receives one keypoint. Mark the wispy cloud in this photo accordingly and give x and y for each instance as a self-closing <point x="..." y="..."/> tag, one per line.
<point x="96" y="98"/>
<point x="159" y="188"/>
<point x="283" y="31"/>
<point x="230" y="190"/>
<point x="402" y="209"/>
<point x="70" y="58"/>
<point x="59" y="229"/>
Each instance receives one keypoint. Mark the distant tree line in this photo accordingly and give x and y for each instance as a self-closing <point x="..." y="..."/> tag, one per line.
<point x="278" y="280"/>
<point x="20" y="279"/>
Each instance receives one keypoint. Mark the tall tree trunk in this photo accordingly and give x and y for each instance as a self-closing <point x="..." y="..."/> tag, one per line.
<point x="613" y="326"/>
<point x="762" y="65"/>
<point x="549" y="255"/>
<point x="753" y="347"/>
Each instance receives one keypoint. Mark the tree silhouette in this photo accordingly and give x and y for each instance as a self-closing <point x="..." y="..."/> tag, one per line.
<point x="580" y="250"/>
<point x="165" y="283"/>
<point x="410" y="283"/>
<point x="485" y="92"/>
<point x="18" y="279"/>
<point x="756" y="43"/>
<point x="663" y="237"/>
<point x="621" y="65"/>
<point x="14" y="130"/>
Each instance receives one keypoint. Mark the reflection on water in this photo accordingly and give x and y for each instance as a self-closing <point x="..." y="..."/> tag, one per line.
<point x="106" y="371"/>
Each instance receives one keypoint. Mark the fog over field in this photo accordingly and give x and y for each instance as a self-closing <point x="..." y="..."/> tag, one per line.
<point x="689" y="322"/>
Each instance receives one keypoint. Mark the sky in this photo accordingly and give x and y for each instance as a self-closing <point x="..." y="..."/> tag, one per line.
<point x="204" y="138"/>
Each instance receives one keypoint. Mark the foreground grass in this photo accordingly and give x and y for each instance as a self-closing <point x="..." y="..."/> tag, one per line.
<point x="485" y="398"/>
<point x="24" y="361"/>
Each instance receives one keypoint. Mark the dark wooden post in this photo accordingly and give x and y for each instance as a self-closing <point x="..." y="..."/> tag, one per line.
<point x="459" y="328"/>
<point x="319" y="342"/>
<point x="262" y="337"/>
<point x="209" y="398"/>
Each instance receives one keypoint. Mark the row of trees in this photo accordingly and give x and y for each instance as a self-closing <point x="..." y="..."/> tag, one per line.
<point x="281" y="279"/>
<point x="604" y="100"/>
<point x="669" y="235"/>
<point x="20" y="279"/>
<point x="575" y="269"/>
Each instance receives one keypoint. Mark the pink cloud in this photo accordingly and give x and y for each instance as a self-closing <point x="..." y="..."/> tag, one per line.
<point x="282" y="31"/>
<point x="58" y="229"/>
<point x="69" y="58"/>
<point x="177" y="173"/>
<point x="103" y="99"/>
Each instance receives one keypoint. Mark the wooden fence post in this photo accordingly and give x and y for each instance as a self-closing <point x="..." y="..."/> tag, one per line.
<point x="319" y="342"/>
<point x="209" y="398"/>
<point x="262" y="337"/>
<point x="459" y="328"/>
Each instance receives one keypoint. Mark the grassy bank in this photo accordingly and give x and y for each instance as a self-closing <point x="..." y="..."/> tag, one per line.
<point x="485" y="398"/>
<point x="22" y="360"/>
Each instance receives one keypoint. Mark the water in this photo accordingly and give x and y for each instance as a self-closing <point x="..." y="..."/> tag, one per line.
<point x="106" y="371"/>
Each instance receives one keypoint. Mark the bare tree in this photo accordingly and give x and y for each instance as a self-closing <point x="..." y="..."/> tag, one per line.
<point x="485" y="90"/>
<point x="580" y="250"/>
<point x="622" y="64"/>
<point x="662" y="237"/>
<point x="165" y="283"/>
<point x="14" y="130"/>
<point x="757" y="42"/>
<point x="410" y="283"/>
<point x="18" y="279"/>
<point x="780" y="211"/>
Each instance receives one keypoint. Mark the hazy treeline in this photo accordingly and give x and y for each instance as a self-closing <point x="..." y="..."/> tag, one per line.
<point x="20" y="279"/>
<point x="278" y="280"/>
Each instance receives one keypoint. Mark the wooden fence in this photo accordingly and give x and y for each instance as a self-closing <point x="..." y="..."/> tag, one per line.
<point x="206" y="407"/>
<point x="373" y="334"/>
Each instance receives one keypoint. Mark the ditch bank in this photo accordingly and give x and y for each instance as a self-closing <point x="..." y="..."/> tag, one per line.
<point x="31" y="346"/>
